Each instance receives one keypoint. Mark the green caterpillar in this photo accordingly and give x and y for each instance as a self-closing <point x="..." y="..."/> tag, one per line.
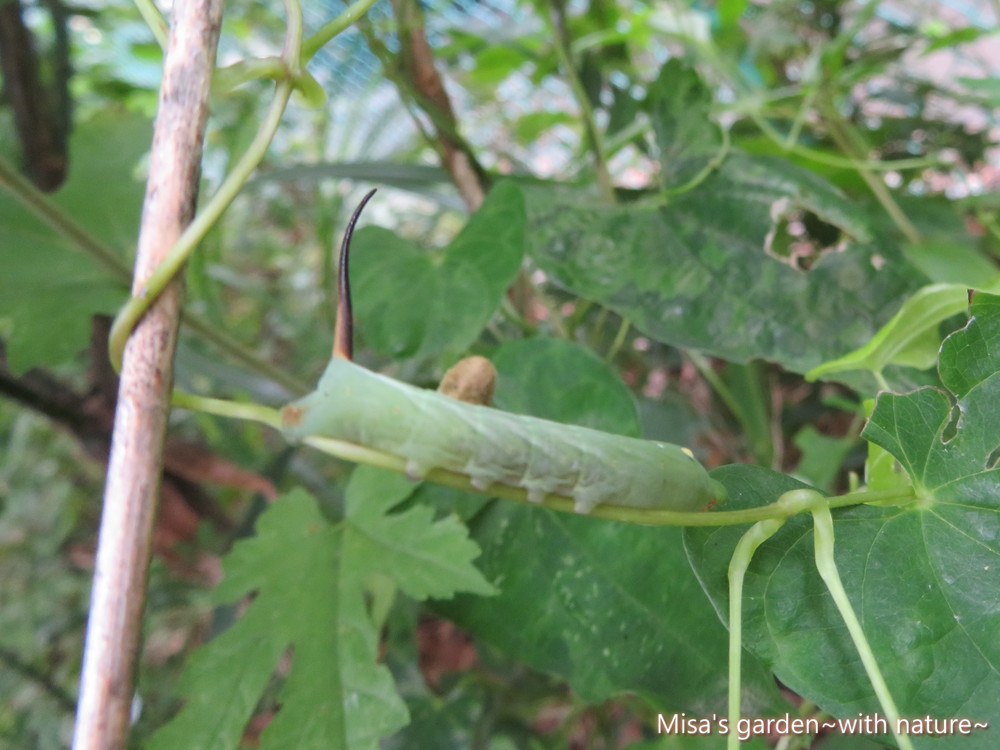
<point x="430" y="430"/>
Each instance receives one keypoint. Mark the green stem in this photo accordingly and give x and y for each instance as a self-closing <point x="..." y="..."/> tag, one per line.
<point x="223" y="408"/>
<point x="849" y="142"/>
<point x="557" y="25"/>
<point x="738" y="564"/>
<point x="414" y="100"/>
<point x="826" y="564"/>
<point x="704" y="368"/>
<point x="153" y="18"/>
<point x="809" y="92"/>
<point x="714" y="163"/>
<point x="616" y="345"/>
<point x="292" y="56"/>
<point x="881" y="382"/>
<point x="988" y="220"/>
<point x="226" y="343"/>
<point x="328" y="31"/>
<point x="841" y="162"/>
<point x="235" y="75"/>
<point x="197" y="229"/>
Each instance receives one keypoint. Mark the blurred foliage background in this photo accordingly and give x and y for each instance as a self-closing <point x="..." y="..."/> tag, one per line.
<point x="893" y="103"/>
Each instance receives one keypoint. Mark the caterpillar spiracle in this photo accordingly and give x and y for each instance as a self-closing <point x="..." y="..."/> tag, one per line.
<point x="430" y="430"/>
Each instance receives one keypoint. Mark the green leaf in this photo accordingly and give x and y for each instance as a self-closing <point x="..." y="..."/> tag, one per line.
<point x="730" y="11"/>
<point x="530" y="127"/>
<point x="48" y="288"/>
<point x="945" y="39"/>
<point x="951" y="262"/>
<point x="686" y="137"/>
<point x="50" y="294"/>
<point x="923" y="577"/>
<point x="822" y="456"/>
<point x="559" y="380"/>
<point x="310" y="578"/>
<point x="698" y="272"/>
<point x="882" y="471"/>
<point x="989" y="88"/>
<point x="910" y="338"/>
<point x="971" y="356"/>
<point x="919" y="428"/>
<point x="455" y="291"/>
<point x="609" y="607"/>
<point x="493" y="64"/>
<point x="426" y="558"/>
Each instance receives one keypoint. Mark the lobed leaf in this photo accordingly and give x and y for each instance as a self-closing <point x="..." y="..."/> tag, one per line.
<point x="309" y="578"/>
<point x="922" y="577"/>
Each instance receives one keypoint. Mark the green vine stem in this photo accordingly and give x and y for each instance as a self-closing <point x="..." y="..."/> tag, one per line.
<point x="222" y="408"/>
<point x="714" y="163"/>
<point x="849" y="141"/>
<point x="348" y="17"/>
<point x="295" y="77"/>
<point x="780" y="509"/>
<point x="557" y="24"/>
<point x="830" y="160"/>
<point x="757" y="534"/>
<point x="154" y="20"/>
<point x="751" y="103"/>
<point x="827" y="567"/>
<point x="619" y="339"/>
<point x="198" y="228"/>
<point x="722" y="390"/>
<point x="277" y="68"/>
<point x="105" y="256"/>
<point x="641" y="516"/>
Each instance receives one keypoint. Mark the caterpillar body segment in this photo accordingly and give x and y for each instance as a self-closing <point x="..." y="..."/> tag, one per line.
<point x="430" y="430"/>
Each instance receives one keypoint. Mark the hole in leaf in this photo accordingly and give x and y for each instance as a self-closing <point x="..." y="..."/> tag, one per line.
<point x="799" y="237"/>
<point x="993" y="459"/>
<point x="950" y="430"/>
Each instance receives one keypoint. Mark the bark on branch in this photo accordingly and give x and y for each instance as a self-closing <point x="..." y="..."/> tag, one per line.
<point x="144" y="393"/>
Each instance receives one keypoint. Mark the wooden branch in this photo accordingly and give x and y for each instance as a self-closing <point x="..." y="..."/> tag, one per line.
<point x="42" y="142"/>
<point x="147" y="377"/>
<point x="417" y="64"/>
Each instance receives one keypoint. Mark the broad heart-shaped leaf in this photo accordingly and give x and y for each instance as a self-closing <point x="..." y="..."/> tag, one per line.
<point x="414" y="303"/>
<point x="609" y="607"/>
<point x="952" y="462"/>
<point x="310" y="577"/>
<point x="48" y="288"/>
<point x="697" y="272"/>
<point x="566" y="383"/>
<point x="924" y="578"/>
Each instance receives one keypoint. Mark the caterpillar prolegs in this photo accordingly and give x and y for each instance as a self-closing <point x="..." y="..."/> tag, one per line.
<point x="430" y="430"/>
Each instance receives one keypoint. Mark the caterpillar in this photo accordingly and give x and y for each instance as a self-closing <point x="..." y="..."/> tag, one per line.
<point x="431" y="430"/>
